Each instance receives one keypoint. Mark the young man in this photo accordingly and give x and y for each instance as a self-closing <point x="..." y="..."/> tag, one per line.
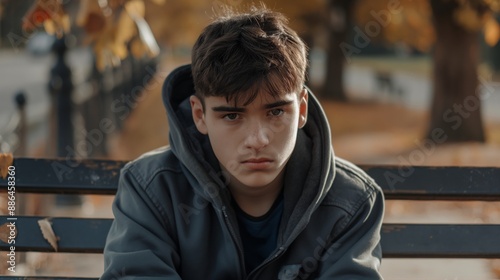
<point x="249" y="187"/>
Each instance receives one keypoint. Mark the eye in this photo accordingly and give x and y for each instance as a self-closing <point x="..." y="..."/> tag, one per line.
<point x="231" y="116"/>
<point x="276" y="112"/>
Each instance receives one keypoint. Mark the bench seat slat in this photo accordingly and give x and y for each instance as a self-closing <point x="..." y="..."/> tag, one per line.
<point x="440" y="241"/>
<point x="76" y="235"/>
<point x="398" y="240"/>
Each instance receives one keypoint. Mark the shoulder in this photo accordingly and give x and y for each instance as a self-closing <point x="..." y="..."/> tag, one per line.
<point x="351" y="187"/>
<point x="149" y="165"/>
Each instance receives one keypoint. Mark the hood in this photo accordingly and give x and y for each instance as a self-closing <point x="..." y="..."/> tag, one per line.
<point x="304" y="188"/>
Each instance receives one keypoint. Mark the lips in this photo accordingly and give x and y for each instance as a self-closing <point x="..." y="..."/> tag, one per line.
<point x="257" y="163"/>
<point x="257" y="160"/>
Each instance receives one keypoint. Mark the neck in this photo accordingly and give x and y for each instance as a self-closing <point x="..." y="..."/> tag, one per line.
<point x="257" y="202"/>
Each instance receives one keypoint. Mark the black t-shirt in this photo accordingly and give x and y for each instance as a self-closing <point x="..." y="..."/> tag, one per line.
<point x="259" y="234"/>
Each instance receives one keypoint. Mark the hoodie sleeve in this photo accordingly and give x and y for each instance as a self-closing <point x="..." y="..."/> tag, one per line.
<point x="357" y="253"/>
<point x="138" y="246"/>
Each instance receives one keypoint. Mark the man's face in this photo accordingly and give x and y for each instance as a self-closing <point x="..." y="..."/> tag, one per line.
<point x="254" y="142"/>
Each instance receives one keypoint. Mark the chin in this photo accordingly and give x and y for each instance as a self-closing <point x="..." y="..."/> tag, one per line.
<point x="256" y="185"/>
<point x="257" y="180"/>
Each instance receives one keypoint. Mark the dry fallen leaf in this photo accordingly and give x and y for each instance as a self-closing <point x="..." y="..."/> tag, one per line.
<point x="48" y="232"/>
<point x="6" y="160"/>
<point x="495" y="267"/>
<point x="5" y="232"/>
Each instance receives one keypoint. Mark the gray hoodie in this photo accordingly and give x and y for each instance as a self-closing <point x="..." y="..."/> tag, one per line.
<point x="174" y="220"/>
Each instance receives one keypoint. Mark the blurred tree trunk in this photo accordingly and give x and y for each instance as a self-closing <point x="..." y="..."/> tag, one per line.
<point x="456" y="106"/>
<point x="339" y="18"/>
<point x="308" y="39"/>
<point x="11" y="33"/>
<point x="314" y="22"/>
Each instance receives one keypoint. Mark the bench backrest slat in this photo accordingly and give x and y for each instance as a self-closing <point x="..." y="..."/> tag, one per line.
<point x="414" y="182"/>
<point x="66" y="176"/>
<point x="437" y="183"/>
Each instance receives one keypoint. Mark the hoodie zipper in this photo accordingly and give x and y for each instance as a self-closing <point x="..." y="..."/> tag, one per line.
<point x="281" y="251"/>
<point x="276" y="255"/>
<point x="236" y="239"/>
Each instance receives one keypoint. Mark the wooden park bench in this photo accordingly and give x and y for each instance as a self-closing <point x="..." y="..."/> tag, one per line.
<point x="88" y="235"/>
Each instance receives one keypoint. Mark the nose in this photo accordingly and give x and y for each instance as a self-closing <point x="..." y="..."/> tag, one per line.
<point x="258" y="137"/>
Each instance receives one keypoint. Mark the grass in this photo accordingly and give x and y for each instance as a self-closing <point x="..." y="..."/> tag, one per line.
<point x="421" y="65"/>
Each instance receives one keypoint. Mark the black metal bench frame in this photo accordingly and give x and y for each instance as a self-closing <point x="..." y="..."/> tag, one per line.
<point x="87" y="235"/>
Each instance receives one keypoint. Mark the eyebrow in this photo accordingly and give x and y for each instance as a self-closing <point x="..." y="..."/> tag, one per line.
<point x="278" y="104"/>
<point x="228" y="109"/>
<point x="242" y="109"/>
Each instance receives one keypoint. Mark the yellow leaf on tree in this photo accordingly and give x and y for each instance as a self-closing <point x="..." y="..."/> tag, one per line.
<point x="100" y="62"/>
<point x="494" y="5"/>
<point x="112" y="4"/>
<point x="90" y="17"/>
<point x="491" y="32"/>
<point x="49" y="14"/>
<point x="158" y="2"/>
<point x="125" y="29"/>
<point x="136" y="8"/>
<point x="137" y="48"/>
<point x="66" y="23"/>
<point x="49" y="26"/>
<point x="119" y="50"/>
<point x="468" y="18"/>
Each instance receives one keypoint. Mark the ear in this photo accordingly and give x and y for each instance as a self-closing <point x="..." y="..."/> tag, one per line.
<point x="198" y="114"/>
<point x="303" y="97"/>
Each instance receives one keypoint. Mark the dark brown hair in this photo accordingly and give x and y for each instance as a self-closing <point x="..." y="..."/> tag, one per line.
<point x="240" y="55"/>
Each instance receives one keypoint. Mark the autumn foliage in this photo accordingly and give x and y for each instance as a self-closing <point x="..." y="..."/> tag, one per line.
<point x="412" y="23"/>
<point x="115" y="28"/>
